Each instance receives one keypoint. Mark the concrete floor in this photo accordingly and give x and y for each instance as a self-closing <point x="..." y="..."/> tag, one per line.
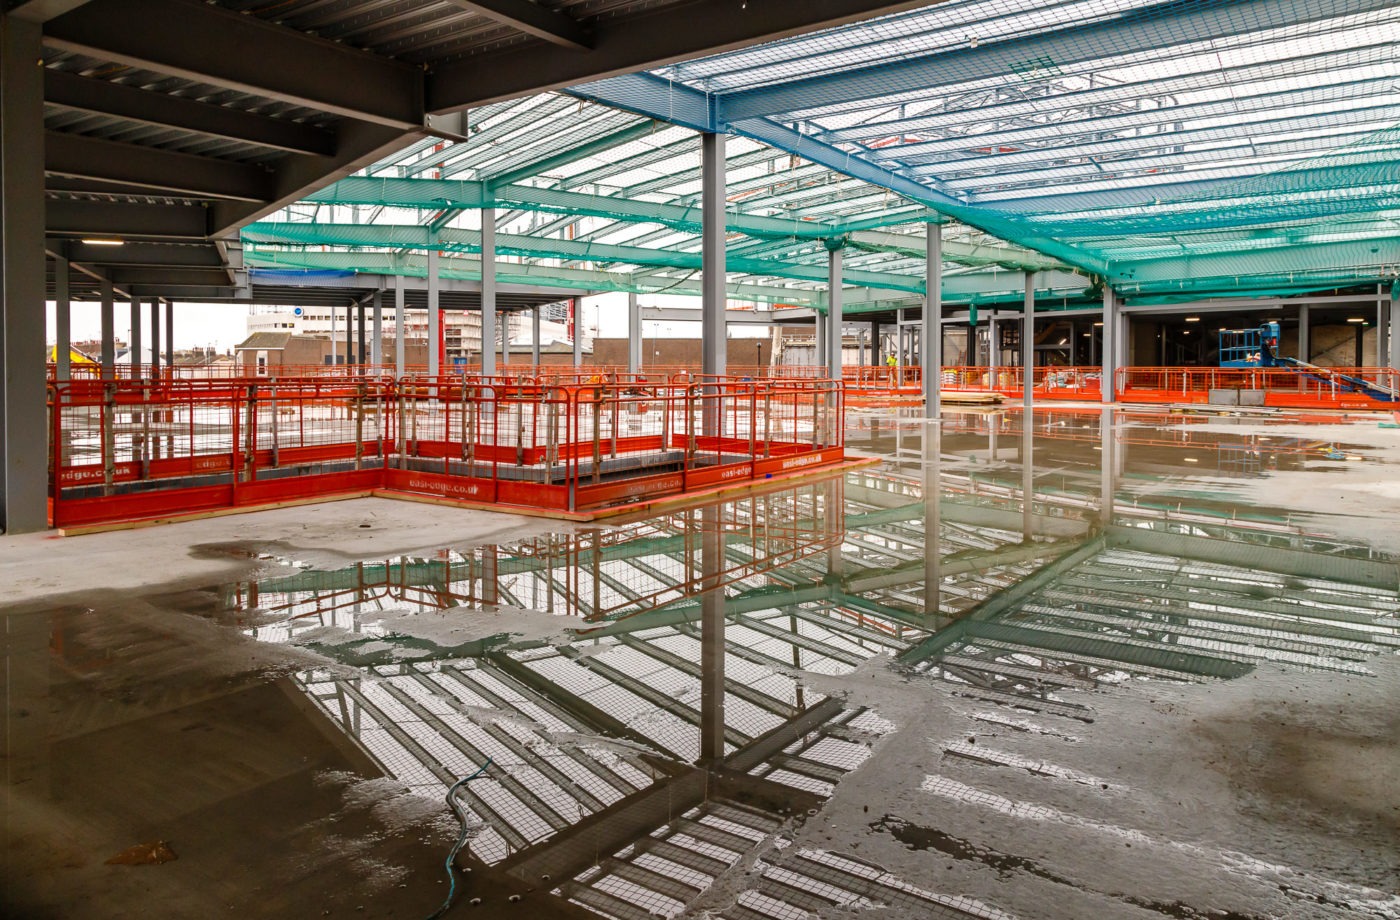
<point x="134" y="714"/>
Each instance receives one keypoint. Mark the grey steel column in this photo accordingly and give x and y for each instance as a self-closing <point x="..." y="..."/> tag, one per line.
<point x="155" y="337"/>
<point x="1382" y="329"/>
<point x="819" y="339"/>
<point x="876" y="358"/>
<point x="23" y="420"/>
<point x="1394" y="361"/>
<point x="107" y="355"/>
<point x="170" y="335"/>
<point x="578" y="333"/>
<point x="834" y="350"/>
<point x="400" y="329"/>
<point x="376" y="343"/>
<point x="535" y="336"/>
<point x="1028" y="407"/>
<point x="712" y="259"/>
<point x="1304" y="334"/>
<point x="135" y="347"/>
<point x="362" y="352"/>
<point x="711" y="637"/>
<point x="63" y="320"/>
<point x="434" y="316"/>
<point x="634" y="335"/>
<point x="505" y="337"/>
<point x="1108" y="352"/>
<point x="349" y="334"/>
<point x="488" y="292"/>
<point x="932" y="357"/>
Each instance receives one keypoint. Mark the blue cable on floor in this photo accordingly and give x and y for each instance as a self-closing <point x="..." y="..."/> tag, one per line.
<point x="461" y="839"/>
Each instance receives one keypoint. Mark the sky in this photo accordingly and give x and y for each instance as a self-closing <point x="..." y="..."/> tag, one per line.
<point x="222" y="326"/>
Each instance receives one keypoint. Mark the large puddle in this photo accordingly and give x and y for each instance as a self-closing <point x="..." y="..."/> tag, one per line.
<point x="1162" y="687"/>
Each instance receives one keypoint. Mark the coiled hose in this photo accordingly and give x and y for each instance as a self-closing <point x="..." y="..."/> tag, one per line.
<point x="461" y="839"/>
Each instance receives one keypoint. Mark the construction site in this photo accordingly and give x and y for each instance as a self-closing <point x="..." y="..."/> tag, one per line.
<point x="989" y="511"/>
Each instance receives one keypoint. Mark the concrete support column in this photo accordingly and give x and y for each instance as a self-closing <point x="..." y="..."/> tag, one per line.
<point x="107" y="352"/>
<point x="1028" y="408"/>
<point x="155" y="338"/>
<point x="932" y="357"/>
<point x="535" y="336"/>
<point x="170" y="335"/>
<point x="634" y="335"/>
<point x="713" y="333"/>
<point x="134" y="352"/>
<point x="434" y="317"/>
<point x="63" y="320"/>
<point x="400" y="330"/>
<point x="23" y="422"/>
<point x="1304" y="334"/>
<point x="488" y="292"/>
<point x="834" y="350"/>
<point x="578" y="333"/>
<point x="1108" y="353"/>
<point x="376" y="344"/>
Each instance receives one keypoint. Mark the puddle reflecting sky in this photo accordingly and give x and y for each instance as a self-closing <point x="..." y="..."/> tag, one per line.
<point x="782" y="705"/>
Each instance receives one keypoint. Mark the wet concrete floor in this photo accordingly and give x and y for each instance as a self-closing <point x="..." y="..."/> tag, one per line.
<point x="1164" y="687"/>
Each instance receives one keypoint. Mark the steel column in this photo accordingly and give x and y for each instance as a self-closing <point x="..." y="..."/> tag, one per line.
<point x="23" y="421"/>
<point x="134" y="349"/>
<point x="1108" y="350"/>
<point x="376" y="342"/>
<point x="1394" y="361"/>
<point x="63" y="319"/>
<point x="400" y="329"/>
<point x="634" y="335"/>
<point x="361" y="350"/>
<point x="712" y="301"/>
<point x="876" y="356"/>
<point x="834" y="350"/>
<point x="349" y="334"/>
<point x="155" y="338"/>
<point x="434" y="317"/>
<point x="932" y="337"/>
<point x="578" y="333"/>
<point x="107" y="353"/>
<point x="1382" y="329"/>
<point x="1304" y="333"/>
<point x="535" y="336"/>
<point x="488" y="292"/>
<point x="170" y="335"/>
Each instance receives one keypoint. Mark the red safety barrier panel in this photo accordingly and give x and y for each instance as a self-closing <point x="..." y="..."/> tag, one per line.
<point x="1278" y="387"/>
<point x="130" y="449"/>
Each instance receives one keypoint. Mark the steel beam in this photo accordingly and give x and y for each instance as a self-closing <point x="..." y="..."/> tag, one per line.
<point x="208" y="44"/>
<point x="672" y="33"/>
<point x="1167" y="25"/>
<point x="110" y="99"/>
<point x="531" y="18"/>
<point x="79" y="218"/>
<point x="149" y="168"/>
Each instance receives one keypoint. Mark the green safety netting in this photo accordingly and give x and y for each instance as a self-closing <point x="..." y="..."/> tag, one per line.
<point x="1173" y="149"/>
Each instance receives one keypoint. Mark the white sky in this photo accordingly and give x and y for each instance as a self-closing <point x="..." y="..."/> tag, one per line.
<point x="223" y="326"/>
